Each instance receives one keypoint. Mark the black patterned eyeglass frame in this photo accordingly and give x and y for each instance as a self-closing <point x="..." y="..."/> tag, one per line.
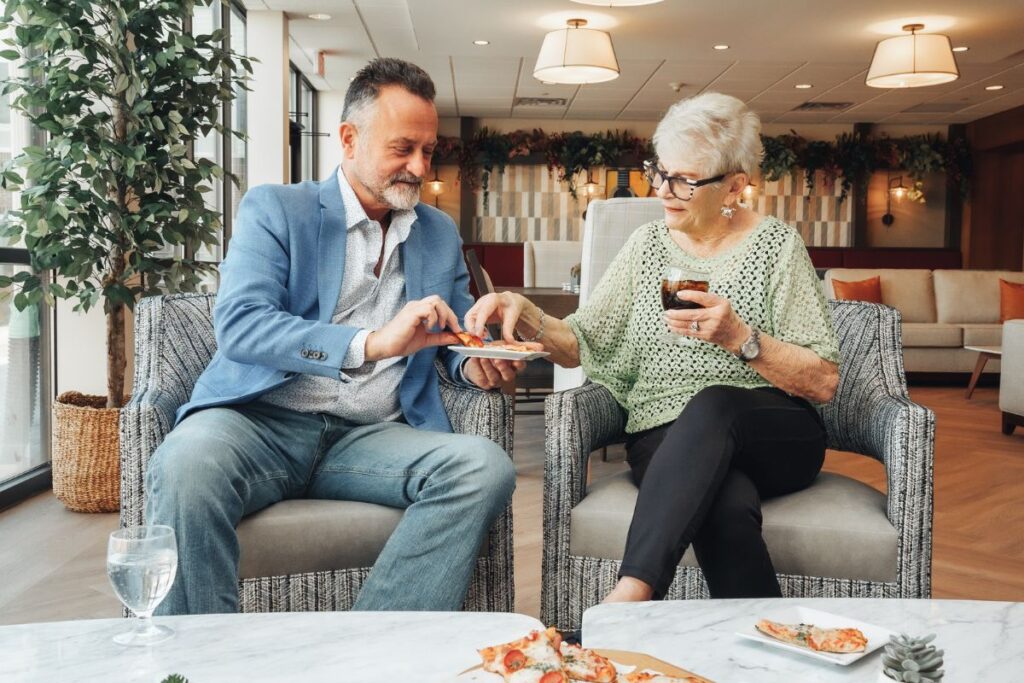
<point x="657" y="177"/>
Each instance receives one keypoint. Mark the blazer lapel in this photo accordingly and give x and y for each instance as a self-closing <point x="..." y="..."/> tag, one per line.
<point x="330" y="266"/>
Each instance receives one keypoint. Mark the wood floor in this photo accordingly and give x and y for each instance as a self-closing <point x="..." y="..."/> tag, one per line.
<point x="52" y="560"/>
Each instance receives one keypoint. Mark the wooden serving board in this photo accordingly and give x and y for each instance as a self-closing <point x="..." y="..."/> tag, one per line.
<point x="641" y="661"/>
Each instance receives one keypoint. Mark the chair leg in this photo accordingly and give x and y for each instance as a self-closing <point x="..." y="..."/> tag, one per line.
<point x="1010" y="421"/>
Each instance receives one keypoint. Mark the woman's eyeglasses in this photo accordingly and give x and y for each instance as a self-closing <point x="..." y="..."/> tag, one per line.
<point x="681" y="188"/>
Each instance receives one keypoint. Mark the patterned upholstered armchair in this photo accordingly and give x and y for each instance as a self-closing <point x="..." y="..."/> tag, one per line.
<point x="298" y="555"/>
<point x="838" y="538"/>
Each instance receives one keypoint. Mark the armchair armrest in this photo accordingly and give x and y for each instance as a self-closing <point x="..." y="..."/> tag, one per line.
<point x="474" y="411"/>
<point x="164" y="376"/>
<point x="872" y="414"/>
<point x="577" y="422"/>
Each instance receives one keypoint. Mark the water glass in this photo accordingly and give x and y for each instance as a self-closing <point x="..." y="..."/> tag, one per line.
<point x="141" y="564"/>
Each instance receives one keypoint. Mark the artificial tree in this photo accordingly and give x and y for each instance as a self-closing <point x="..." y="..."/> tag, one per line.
<point x="113" y="206"/>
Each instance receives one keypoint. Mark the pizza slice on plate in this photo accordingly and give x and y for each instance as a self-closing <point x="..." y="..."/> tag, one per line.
<point x="586" y="665"/>
<point x="533" y="659"/>
<point x="839" y="640"/>
<point x="470" y="340"/>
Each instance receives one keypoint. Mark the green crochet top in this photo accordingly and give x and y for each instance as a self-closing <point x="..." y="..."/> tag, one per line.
<point x="769" y="280"/>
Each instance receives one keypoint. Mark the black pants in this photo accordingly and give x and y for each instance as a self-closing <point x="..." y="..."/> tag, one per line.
<point x="701" y="481"/>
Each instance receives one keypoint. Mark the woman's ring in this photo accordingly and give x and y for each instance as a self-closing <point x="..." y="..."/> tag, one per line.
<point x="694" y="326"/>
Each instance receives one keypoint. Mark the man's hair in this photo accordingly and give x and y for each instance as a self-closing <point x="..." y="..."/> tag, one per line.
<point x="365" y="88"/>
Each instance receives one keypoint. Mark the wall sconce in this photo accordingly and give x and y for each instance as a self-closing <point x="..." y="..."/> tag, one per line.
<point x="590" y="187"/>
<point x="436" y="187"/>
<point x="896" y="190"/>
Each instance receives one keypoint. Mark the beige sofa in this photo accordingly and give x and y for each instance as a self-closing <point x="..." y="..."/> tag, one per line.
<point x="942" y="310"/>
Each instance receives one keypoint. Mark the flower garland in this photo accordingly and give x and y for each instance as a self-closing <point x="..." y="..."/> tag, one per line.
<point x="850" y="159"/>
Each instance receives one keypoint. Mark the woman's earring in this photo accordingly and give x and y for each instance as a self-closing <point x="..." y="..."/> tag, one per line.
<point x="728" y="211"/>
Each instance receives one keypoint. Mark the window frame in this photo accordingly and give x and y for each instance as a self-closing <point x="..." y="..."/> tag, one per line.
<point x="302" y="84"/>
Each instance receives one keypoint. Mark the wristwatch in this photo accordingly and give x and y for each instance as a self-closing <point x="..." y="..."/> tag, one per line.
<point x="751" y="348"/>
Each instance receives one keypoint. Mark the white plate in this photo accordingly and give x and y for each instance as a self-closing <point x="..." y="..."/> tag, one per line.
<point x="499" y="354"/>
<point x="876" y="635"/>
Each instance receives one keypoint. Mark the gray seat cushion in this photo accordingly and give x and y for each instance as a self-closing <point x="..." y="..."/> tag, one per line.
<point x="932" y="335"/>
<point x="837" y="528"/>
<point x="299" y="536"/>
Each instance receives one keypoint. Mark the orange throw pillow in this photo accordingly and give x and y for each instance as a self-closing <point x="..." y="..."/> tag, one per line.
<point x="862" y="290"/>
<point x="1011" y="300"/>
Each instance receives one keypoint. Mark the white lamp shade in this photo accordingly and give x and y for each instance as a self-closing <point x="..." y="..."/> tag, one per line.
<point x="912" y="62"/>
<point x="576" y="55"/>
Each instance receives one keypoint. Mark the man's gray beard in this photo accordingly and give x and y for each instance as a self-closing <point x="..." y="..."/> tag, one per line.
<point x="401" y="197"/>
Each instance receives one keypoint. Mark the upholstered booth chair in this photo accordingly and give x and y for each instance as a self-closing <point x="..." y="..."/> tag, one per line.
<point x="838" y="538"/>
<point x="297" y="555"/>
<point x="1011" y="378"/>
<point x="547" y="263"/>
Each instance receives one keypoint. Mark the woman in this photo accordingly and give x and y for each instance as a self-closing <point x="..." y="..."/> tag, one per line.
<point x="726" y="417"/>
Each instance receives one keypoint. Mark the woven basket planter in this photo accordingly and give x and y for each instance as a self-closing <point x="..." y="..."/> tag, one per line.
<point x="86" y="453"/>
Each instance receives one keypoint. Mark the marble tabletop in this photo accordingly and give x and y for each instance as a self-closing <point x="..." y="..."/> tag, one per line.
<point x="983" y="641"/>
<point x="310" y="646"/>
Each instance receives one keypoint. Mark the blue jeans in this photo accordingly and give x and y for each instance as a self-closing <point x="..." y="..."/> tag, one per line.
<point x="222" y="464"/>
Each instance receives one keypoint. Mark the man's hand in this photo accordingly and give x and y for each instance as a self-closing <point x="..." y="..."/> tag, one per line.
<point x="409" y="331"/>
<point x="488" y="373"/>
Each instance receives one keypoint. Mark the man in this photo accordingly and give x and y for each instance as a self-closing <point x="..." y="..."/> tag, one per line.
<point x="333" y="302"/>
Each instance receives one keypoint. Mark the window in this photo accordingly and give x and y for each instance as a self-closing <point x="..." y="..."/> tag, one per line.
<point x="230" y="153"/>
<point x="302" y="138"/>
<point x="24" y="339"/>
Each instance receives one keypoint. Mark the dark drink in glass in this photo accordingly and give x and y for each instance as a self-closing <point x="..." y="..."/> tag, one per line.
<point x="676" y="279"/>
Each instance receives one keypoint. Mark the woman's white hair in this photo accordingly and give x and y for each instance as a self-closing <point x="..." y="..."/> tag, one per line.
<point x="715" y="130"/>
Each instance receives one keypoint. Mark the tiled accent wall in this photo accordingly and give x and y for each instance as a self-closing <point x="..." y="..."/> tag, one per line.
<point x="822" y="219"/>
<point x="528" y="203"/>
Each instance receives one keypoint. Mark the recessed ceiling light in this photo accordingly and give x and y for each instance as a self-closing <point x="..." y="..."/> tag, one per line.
<point x="481" y="42"/>
<point x="320" y="16"/>
<point x="961" y="48"/>
<point x="803" y="86"/>
<point x="993" y="87"/>
<point x="721" y="47"/>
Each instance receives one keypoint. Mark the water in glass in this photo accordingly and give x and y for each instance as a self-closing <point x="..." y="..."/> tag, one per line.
<point x="141" y="564"/>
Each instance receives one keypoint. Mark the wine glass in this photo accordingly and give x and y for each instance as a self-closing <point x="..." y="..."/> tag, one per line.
<point x="141" y="564"/>
<point x="675" y="279"/>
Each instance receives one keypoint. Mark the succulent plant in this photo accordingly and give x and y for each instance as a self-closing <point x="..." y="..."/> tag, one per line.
<point x="912" y="660"/>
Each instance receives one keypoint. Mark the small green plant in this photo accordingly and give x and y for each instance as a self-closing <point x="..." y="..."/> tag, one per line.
<point x="175" y="678"/>
<point x="912" y="660"/>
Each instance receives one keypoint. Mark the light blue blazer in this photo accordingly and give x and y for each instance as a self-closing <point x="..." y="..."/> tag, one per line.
<point x="279" y="287"/>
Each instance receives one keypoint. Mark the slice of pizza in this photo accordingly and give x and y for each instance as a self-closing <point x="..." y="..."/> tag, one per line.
<point x="533" y="659"/>
<point x="522" y="348"/>
<point x="586" y="665"/>
<point x="839" y="640"/>
<point x="470" y="340"/>
<point x="654" y="677"/>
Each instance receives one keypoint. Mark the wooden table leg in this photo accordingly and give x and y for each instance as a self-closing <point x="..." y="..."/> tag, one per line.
<point x="978" y="368"/>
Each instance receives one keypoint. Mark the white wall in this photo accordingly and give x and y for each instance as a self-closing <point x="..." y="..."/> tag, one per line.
<point x="80" y="350"/>
<point x="329" y="109"/>
<point x="267" y="43"/>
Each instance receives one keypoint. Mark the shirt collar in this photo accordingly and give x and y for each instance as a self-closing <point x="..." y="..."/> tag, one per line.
<point x="355" y="214"/>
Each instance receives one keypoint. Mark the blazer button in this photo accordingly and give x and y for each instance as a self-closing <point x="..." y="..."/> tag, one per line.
<point x="304" y="353"/>
<point x="323" y="355"/>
